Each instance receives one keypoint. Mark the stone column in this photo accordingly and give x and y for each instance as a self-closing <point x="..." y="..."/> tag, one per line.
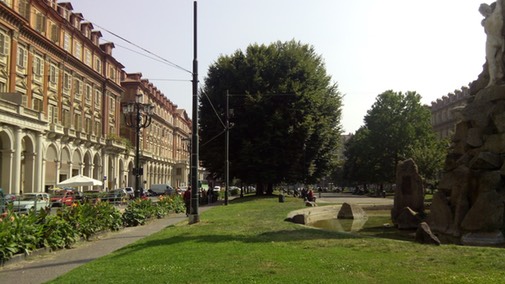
<point x="16" y="167"/>
<point x="39" y="166"/>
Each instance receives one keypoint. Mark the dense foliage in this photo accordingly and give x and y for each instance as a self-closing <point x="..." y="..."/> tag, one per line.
<point x="285" y="118"/>
<point x="397" y="127"/>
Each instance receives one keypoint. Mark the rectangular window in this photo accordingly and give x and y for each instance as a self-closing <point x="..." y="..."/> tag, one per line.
<point x="37" y="104"/>
<point x="77" y="89"/>
<point x="112" y="105"/>
<point x="98" y="99"/>
<point x="78" y="122"/>
<point x="98" y="65"/>
<point x="87" y="57"/>
<point x="53" y="114"/>
<point x="24" y="9"/>
<point x="112" y="73"/>
<point x="66" y="118"/>
<point x="98" y="128"/>
<point x="66" y="42"/>
<point x="88" y="125"/>
<point x="55" y="34"/>
<point x="78" y="50"/>
<point x="67" y="81"/>
<point x="53" y="74"/>
<point x="40" y="23"/>
<point x="4" y="44"/>
<point x="22" y="57"/>
<point x="38" y="66"/>
<point x="89" y="90"/>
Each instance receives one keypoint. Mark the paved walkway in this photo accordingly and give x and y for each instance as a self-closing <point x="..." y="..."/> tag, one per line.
<point x="47" y="266"/>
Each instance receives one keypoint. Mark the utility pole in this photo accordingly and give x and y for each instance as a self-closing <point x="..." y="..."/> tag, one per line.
<point x="194" y="216"/>
<point x="227" y="151"/>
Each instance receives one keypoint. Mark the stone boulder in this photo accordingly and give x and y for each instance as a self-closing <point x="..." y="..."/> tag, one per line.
<point x="351" y="211"/>
<point x="408" y="219"/>
<point x="299" y="219"/>
<point x="425" y="236"/>
<point x="409" y="189"/>
<point x="441" y="209"/>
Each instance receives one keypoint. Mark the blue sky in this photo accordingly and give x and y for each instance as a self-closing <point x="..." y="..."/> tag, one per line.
<point x="432" y="47"/>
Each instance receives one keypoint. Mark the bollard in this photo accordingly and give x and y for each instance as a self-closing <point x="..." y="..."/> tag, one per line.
<point x="281" y="198"/>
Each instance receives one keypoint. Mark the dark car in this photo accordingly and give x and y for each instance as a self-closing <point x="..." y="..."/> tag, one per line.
<point x="91" y="196"/>
<point x="116" y="196"/>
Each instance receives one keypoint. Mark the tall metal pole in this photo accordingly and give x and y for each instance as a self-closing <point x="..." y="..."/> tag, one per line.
<point x="227" y="151"/>
<point x="194" y="216"/>
<point x="137" y="152"/>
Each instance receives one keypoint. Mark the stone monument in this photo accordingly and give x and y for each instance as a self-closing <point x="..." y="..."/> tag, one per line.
<point x="469" y="205"/>
<point x="409" y="196"/>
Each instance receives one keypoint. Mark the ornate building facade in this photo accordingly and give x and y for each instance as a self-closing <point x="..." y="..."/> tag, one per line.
<point x="444" y="111"/>
<point x="60" y="106"/>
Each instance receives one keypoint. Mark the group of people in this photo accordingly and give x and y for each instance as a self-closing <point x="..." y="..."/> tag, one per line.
<point x="205" y="196"/>
<point x="308" y="194"/>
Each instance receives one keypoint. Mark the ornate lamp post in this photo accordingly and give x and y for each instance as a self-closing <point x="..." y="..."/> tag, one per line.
<point x="137" y="116"/>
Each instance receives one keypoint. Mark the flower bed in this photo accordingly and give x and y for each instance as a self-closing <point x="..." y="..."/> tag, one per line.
<point x="21" y="234"/>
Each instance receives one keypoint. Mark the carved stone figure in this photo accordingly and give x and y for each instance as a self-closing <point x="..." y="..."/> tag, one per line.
<point x="495" y="43"/>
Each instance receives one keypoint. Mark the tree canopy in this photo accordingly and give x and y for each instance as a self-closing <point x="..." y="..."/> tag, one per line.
<point x="285" y="118"/>
<point x="396" y="127"/>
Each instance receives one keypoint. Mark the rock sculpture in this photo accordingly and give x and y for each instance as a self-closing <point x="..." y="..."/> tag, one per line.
<point x="495" y="43"/>
<point x="469" y="206"/>
<point x="409" y="190"/>
<point x="351" y="211"/>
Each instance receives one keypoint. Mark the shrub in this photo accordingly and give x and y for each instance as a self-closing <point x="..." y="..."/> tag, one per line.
<point x="24" y="233"/>
<point x="173" y="203"/>
<point x="58" y="233"/>
<point x="138" y="212"/>
<point x="21" y="233"/>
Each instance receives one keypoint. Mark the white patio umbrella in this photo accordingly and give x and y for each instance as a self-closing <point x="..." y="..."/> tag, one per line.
<point x="80" y="180"/>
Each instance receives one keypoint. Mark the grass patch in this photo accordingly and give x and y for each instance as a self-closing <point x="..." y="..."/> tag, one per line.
<point x="248" y="241"/>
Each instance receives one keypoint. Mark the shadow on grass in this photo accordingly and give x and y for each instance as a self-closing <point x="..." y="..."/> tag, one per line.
<point x="268" y="237"/>
<point x="389" y="233"/>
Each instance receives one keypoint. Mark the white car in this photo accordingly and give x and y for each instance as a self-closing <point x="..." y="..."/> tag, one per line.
<point x="28" y="201"/>
<point x="130" y="192"/>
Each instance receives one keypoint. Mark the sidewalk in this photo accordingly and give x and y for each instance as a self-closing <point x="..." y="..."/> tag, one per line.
<point x="47" y="266"/>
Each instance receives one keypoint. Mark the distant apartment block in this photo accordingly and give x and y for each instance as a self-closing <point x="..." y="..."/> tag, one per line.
<point x="443" y="117"/>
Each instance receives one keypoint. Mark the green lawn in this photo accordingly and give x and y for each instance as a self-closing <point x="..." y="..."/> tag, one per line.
<point x="248" y="241"/>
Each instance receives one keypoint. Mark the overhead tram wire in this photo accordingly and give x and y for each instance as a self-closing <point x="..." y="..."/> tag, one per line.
<point x="168" y="62"/>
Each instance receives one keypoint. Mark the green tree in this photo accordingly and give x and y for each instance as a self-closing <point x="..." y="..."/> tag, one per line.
<point x="397" y="127"/>
<point x="285" y="123"/>
<point x="430" y="158"/>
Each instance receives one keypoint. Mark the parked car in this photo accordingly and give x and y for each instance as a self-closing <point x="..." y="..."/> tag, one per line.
<point x="63" y="197"/>
<point x="130" y="192"/>
<point x="31" y="201"/>
<point x="91" y="196"/>
<point x="161" y="189"/>
<point x="116" y="196"/>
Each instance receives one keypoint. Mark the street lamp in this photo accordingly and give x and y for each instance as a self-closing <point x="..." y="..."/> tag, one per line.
<point x="137" y="116"/>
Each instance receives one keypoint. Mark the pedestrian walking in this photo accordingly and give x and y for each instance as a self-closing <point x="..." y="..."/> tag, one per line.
<point x="187" y="200"/>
